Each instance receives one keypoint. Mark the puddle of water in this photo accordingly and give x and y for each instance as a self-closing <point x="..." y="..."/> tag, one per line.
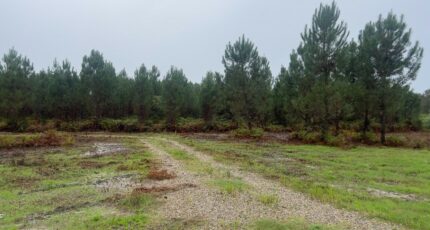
<point x="100" y="149"/>
<point x="388" y="194"/>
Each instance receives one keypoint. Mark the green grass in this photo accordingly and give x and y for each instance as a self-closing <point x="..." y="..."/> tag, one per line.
<point x="191" y="162"/>
<point x="55" y="189"/>
<point x="339" y="176"/>
<point x="268" y="199"/>
<point x="291" y="224"/>
<point x="229" y="186"/>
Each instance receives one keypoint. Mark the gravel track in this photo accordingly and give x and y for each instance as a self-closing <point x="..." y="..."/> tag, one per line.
<point x="218" y="210"/>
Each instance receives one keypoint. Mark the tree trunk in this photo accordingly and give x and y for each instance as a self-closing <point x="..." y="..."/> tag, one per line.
<point x="365" y="123"/>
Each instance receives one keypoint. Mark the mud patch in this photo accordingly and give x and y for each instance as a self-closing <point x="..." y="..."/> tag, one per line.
<point x="395" y="195"/>
<point x="122" y="183"/>
<point x="162" y="174"/>
<point x="163" y="189"/>
<point x="101" y="149"/>
<point x="58" y="210"/>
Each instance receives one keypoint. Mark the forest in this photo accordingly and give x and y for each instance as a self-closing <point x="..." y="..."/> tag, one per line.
<point x="333" y="82"/>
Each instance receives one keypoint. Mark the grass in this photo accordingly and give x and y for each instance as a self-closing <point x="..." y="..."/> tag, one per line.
<point x="55" y="189"/>
<point x="229" y="186"/>
<point x="268" y="199"/>
<point x="291" y="224"/>
<point x="343" y="177"/>
<point x="191" y="162"/>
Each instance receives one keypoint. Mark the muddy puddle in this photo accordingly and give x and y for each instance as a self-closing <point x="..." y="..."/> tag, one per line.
<point x="102" y="148"/>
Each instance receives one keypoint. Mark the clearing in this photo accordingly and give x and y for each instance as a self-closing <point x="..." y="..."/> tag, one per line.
<point x="167" y="181"/>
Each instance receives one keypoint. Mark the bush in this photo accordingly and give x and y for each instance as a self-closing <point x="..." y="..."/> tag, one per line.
<point x="120" y="125"/>
<point x="14" y="125"/>
<point x="190" y="125"/>
<point x="339" y="140"/>
<point x="275" y="128"/>
<point x="351" y="136"/>
<point x="248" y="133"/>
<point x="40" y="126"/>
<point x="48" y="138"/>
<point x="3" y="125"/>
<point x="77" y="126"/>
<point x="306" y="136"/>
<point x="369" y="138"/>
<point x="221" y="125"/>
<point x="395" y="141"/>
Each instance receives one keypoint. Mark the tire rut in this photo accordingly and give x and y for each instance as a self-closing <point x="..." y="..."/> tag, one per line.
<point x="291" y="203"/>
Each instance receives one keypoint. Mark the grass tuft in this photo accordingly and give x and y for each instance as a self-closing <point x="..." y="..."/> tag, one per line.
<point x="268" y="199"/>
<point x="229" y="186"/>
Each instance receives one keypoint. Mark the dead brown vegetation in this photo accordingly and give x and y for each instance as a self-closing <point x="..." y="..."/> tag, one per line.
<point x="162" y="174"/>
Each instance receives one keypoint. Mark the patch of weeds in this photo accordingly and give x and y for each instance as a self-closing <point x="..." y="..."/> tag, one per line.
<point x="268" y="199"/>
<point x="229" y="186"/>
<point x="136" y="221"/>
<point x="136" y="201"/>
<point x="292" y="224"/>
<point x="179" y="224"/>
<point x="180" y="154"/>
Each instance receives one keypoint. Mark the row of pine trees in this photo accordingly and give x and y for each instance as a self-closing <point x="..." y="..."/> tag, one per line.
<point x="331" y="80"/>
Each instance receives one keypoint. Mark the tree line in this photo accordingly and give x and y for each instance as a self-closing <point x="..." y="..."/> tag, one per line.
<point x="332" y="82"/>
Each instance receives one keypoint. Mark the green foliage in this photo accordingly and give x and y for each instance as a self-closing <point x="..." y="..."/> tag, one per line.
<point x="306" y="137"/>
<point x="176" y="96"/>
<point x="425" y="119"/>
<point x="248" y="133"/>
<point x="339" y="140"/>
<point x="395" y="141"/>
<point x="211" y="97"/>
<point x="291" y="224"/>
<point x="329" y="84"/>
<point x="120" y="125"/>
<point x="248" y="82"/>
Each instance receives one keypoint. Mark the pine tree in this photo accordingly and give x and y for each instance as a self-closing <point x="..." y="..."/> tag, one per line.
<point x="393" y="59"/>
<point x="248" y="83"/>
<point x="321" y="46"/>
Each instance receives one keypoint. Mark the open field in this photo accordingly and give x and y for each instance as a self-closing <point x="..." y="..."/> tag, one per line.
<point x="167" y="181"/>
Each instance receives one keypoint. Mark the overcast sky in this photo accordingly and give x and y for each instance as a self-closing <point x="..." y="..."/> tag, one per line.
<point x="190" y="34"/>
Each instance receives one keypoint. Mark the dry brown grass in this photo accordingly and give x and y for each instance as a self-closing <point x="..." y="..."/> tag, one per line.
<point x="163" y="174"/>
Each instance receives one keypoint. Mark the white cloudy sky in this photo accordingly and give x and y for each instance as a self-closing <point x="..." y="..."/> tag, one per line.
<point x="190" y="34"/>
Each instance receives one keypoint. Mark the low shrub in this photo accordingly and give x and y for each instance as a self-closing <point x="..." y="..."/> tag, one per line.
<point x="275" y="128"/>
<point x="221" y="125"/>
<point x="77" y="126"/>
<point x="351" y="136"/>
<point x="16" y="125"/>
<point x="369" y="138"/>
<point x="48" y="138"/>
<point x="120" y="125"/>
<point x="306" y="136"/>
<point x="395" y="141"/>
<point x="339" y="140"/>
<point x="190" y="125"/>
<point x="248" y="133"/>
<point x="40" y="125"/>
